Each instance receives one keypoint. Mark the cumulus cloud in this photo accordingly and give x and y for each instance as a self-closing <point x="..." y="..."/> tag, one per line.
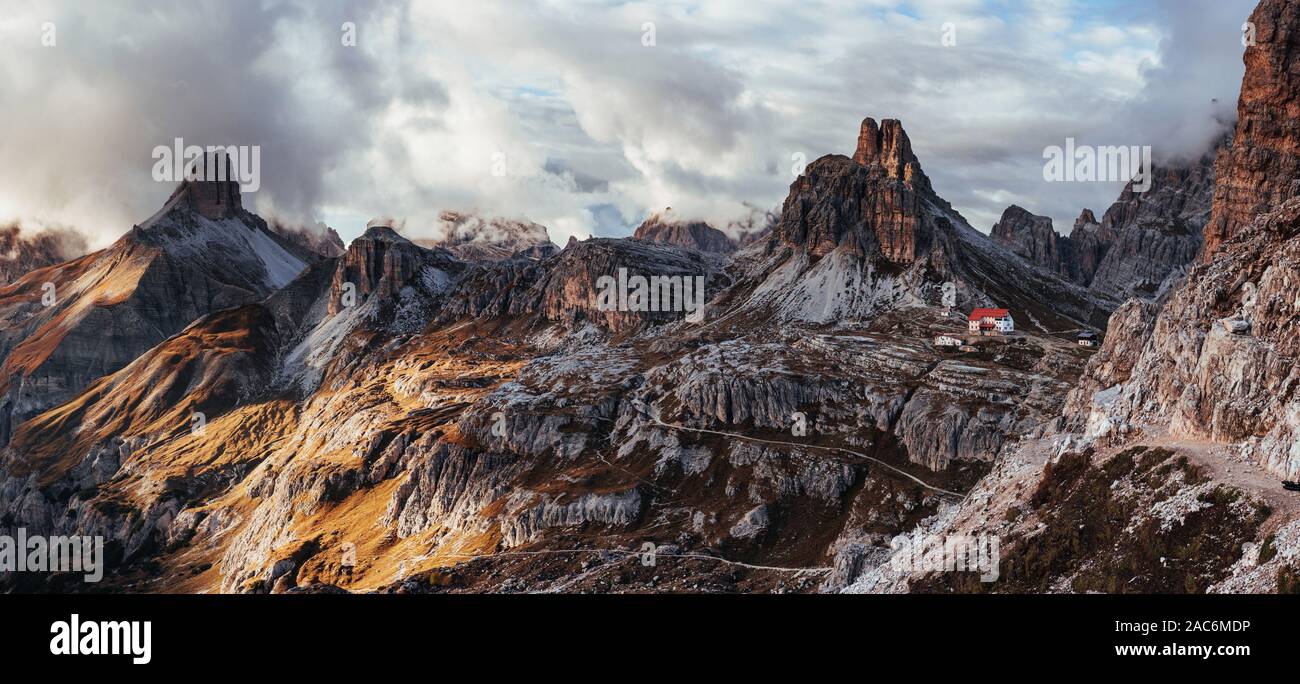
<point x="568" y="114"/>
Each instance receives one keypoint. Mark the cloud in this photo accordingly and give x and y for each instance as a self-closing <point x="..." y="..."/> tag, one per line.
<point x="86" y="113"/>
<point x="563" y="113"/>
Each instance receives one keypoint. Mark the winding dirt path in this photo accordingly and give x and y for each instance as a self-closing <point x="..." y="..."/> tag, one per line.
<point x="1224" y="466"/>
<point x="640" y="407"/>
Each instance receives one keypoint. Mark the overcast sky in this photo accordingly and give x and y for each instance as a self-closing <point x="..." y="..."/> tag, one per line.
<point x="588" y="125"/>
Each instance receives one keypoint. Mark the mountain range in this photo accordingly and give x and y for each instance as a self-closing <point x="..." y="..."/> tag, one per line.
<point x="244" y="407"/>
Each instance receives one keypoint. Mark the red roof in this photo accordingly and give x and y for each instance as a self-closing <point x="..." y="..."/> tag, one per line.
<point x="989" y="313"/>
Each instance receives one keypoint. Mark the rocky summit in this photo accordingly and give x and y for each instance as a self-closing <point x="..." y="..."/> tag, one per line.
<point x="662" y="228"/>
<point x="1142" y="243"/>
<point x="775" y="405"/>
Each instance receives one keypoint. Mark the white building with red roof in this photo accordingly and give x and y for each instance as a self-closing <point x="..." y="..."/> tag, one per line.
<point x="989" y="321"/>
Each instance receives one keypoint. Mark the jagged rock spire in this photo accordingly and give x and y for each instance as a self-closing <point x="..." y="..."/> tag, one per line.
<point x="888" y="146"/>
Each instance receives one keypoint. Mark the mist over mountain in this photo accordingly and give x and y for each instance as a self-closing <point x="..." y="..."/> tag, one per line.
<point x="394" y="124"/>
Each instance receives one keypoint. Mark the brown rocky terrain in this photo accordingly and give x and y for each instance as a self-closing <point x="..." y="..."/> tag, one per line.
<point x="1163" y="471"/>
<point x="1258" y="171"/>
<point x="457" y="417"/>
<point x="406" y="419"/>
<point x="66" y="325"/>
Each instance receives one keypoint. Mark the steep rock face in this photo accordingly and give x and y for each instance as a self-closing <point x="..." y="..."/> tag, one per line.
<point x="1128" y="330"/>
<point x="1184" y="421"/>
<point x="1157" y="232"/>
<point x="1143" y="240"/>
<point x="1090" y="241"/>
<point x="379" y="262"/>
<point x="569" y="291"/>
<point x="877" y="200"/>
<point x="383" y="283"/>
<point x="1033" y="238"/>
<point x="1261" y="168"/>
<point x="699" y="235"/>
<point x="22" y="252"/>
<point x="1219" y="363"/>
<point x="888" y="147"/>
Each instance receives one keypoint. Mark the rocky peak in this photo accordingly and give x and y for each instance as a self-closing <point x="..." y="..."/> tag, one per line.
<point x="475" y="238"/>
<point x="888" y="146"/>
<point x="1154" y="234"/>
<point x="202" y="252"/>
<point x="872" y="204"/>
<point x="855" y="240"/>
<point x="1032" y="237"/>
<point x="664" y="228"/>
<point x="1261" y="168"/>
<point x="381" y="232"/>
<point x="379" y="261"/>
<point x="1090" y="242"/>
<point x="1017" y="221"/>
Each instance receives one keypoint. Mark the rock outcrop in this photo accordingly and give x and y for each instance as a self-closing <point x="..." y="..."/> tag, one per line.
<point x="664" y="229"/>
<point x="1090" y="241"/>
<point x="1261" y="167"/>
<point x="1155" y="233"/>
<point x="1033" y="238"/>
<point x="1218" y="361"/>
<point x="888" y="147"/>
<point x="571" y="289"/>
<point x="872" y="203"/>
<point x="1142" y="241"/>
<point x="379" y="262"/>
